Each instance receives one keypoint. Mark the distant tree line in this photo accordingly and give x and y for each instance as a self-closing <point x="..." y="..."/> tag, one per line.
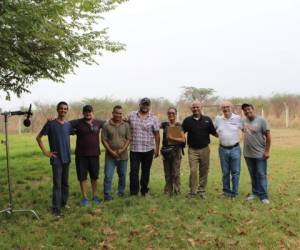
<point x="273" y="108"/>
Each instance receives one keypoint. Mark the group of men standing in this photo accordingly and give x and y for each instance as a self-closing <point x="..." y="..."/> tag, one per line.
<point x="140" y="130"/>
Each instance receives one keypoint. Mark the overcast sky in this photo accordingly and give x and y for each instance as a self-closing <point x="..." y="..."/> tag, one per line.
<point x="237" y="47"/>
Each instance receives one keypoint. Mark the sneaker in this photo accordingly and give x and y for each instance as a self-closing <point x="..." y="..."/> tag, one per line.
<point x="108" y="198"/>
<point x="191" y="195"/>
<point x="203" y="196"/>
<point x="84" y="202"/>
<point x="230" y="196"/>
<point x="251" y="197"/>
<point x="177" y="192"/>
<point x="265" y="201"/>
<point x="169" y="194"/>
<point x="120" y="194"/>
<point x="227" y="195"/>
<point x="66" y="206"/>
<point x="56" y="215"/>
<point x="96" y="200"/>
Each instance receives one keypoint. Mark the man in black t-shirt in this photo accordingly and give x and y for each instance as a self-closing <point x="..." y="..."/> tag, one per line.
<point x="198" y="128"/>
<point x="87" y="152"/>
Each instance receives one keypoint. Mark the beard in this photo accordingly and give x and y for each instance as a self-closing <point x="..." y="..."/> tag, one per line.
<point x="144" y="110"/>
<point x="88" y="118"/>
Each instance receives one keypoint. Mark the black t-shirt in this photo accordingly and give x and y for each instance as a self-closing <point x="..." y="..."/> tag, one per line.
<point x="198" y="131"/>
<point x="164" y="126"/>
<point x="87" y="141"/>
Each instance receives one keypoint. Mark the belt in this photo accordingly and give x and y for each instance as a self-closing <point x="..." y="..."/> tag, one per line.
<point x="230" y="147"/>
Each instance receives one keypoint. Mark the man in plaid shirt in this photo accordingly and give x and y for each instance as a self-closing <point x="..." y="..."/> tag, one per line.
<point x="144" y="145"/>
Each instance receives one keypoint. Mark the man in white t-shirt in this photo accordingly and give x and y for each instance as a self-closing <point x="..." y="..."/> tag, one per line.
<point x="228" y="127"/>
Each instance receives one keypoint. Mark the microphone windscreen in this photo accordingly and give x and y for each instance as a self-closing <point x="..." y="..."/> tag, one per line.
<point x="26" y="122"/>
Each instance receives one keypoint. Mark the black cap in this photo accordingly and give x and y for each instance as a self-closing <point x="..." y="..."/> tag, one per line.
<point x="246" y="105"/>
<point x="145" y="100"/>
<point x="87" y="108"/>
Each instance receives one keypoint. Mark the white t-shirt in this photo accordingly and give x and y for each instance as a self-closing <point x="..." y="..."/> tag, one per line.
<point x="228" y="129"/>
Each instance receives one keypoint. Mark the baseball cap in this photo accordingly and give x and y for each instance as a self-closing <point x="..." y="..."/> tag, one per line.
<point x="145" y="100"/>
<point x="87" y="108"/>
<point x="246" y="105"/>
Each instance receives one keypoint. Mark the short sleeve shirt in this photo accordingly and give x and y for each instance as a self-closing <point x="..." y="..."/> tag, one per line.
<point x="164" y="127"/>
<point x="87" y="141"/>
<point x="116" y="135"/>
<point x="59" y="140"/>
<point x="254" y="137"/>
<point x="228" y="129"/>
<point x="142" y="131"/>
<point x="198" y="131"/>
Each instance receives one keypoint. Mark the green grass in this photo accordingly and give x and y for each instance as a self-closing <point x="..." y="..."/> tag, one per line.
<point x="157" y="222"/>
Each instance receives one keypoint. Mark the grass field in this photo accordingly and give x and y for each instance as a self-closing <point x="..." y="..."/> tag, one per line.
<point x="156" y="222"/>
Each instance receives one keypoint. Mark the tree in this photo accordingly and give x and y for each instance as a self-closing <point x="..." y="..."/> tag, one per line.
<point x="46" y="39"/>
<point x="202" y="94"/>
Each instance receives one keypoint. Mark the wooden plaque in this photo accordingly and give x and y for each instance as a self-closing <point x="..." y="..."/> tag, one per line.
<point x="174" y="132"/>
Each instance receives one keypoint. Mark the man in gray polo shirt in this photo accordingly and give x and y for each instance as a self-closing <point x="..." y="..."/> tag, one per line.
<point x="257" y="142"/>
<point x="228" y="127"/>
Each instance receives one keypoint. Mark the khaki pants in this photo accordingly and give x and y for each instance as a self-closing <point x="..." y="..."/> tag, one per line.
<point x="198" y="161"/>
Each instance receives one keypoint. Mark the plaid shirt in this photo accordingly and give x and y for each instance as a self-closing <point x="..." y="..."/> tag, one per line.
<point x="142" y="131"/>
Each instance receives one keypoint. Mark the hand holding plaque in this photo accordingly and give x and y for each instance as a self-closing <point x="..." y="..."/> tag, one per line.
<point x="173" y="132"/>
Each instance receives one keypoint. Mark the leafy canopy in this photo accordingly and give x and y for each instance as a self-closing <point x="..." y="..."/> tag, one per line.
<point x="46" y="39"/>
<point x="202" y="94"/>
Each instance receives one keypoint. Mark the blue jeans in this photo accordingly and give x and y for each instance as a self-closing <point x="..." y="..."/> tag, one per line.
<point x="230" y="160"/>
<point x="109" y="169"/>
<point x="60" y="191"/>
<point x="258" y="173"/>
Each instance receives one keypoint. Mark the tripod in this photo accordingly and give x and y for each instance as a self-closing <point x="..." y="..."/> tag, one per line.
<point x="10" y="209"/>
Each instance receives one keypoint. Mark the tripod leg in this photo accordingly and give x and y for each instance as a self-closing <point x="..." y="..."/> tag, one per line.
<point x="10" y="205"/>
<point x="27" y="210"/>
<point x="6" y="210"/>
<point x="10" y="209"/>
